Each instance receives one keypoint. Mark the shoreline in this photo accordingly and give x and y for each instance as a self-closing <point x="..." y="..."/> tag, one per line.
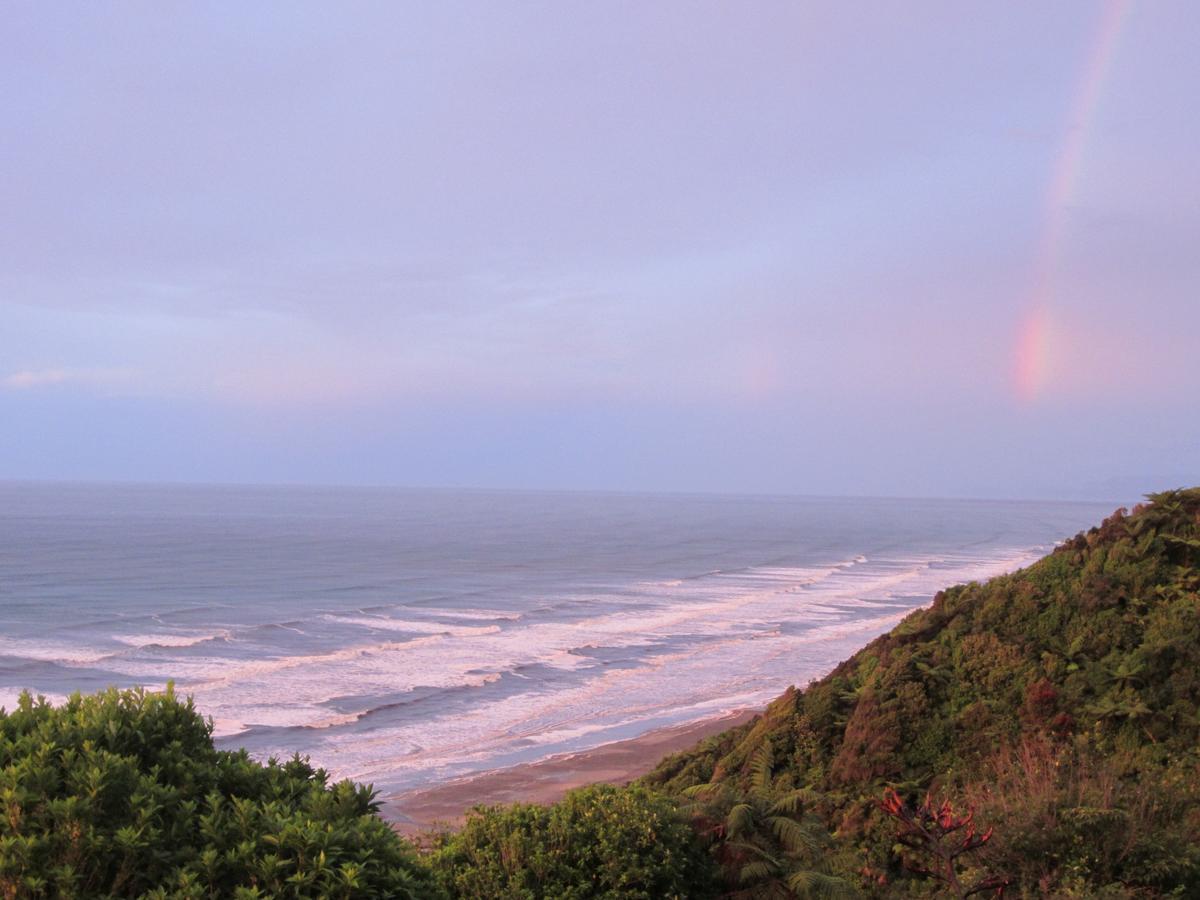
<point x="548" y="780"/>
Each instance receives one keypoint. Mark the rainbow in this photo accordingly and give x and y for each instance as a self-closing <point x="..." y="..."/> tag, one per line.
<point x="1034" y="346"/>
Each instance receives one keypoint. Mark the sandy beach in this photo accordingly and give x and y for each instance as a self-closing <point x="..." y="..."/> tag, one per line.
<point x="445" y="805"/>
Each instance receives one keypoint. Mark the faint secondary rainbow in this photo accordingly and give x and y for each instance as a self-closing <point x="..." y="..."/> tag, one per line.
<point x="1034" y="348"/>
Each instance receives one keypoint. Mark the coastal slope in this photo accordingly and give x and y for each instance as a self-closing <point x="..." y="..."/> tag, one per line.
<point x="1059" y="702"/>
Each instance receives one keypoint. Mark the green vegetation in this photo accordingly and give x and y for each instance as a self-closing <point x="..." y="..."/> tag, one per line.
<point x="598" y="842"/>
<point x="123" y="795"/>
<point x="765" y="838"/>
<point x="1060" y="703"/>
<point x="1039" y="732"/>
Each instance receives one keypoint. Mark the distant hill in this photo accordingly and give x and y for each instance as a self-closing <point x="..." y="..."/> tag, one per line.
<point x="1060" y="702"/>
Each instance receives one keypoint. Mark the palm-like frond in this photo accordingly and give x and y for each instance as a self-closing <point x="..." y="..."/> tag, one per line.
<point x="792" y="802"/>
<point x="746" y="847"/>
<point x="767" y="837"/>
<point x="794" y="836"/>
<point x="761" y="765"/>
<point x="808" y="883"/>
<point x="757" y="870"/>
<point x="740" y="820"/>
<point x="702" y="791"/>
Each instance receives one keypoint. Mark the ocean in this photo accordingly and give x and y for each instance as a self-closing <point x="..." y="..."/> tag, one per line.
<point x="405" y="637"/>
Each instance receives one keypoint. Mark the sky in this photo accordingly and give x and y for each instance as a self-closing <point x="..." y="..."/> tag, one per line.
<point x="935" y="249"/>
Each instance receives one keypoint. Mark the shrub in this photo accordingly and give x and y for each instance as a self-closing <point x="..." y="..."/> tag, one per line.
<point x="122" y="794"/>
<point x="598" y="842"/>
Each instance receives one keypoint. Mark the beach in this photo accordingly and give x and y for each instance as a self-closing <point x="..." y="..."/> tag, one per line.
<point x="548" y="780"/>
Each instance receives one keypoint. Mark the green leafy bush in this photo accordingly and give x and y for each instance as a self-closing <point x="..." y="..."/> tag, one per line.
<point x="599" y="842"/>
<point x="122" y="794"/>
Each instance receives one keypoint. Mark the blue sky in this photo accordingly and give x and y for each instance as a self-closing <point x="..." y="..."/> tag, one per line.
<point x="754" y="247"/>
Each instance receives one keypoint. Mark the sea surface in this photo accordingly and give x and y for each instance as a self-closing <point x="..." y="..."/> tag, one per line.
<point x="405" y="637"/>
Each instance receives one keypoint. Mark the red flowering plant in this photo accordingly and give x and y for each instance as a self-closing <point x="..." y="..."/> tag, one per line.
<point x="936" y="836"/>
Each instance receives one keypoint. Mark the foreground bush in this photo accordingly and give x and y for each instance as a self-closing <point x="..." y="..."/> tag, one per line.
<point x="598" y="842"/>
<point x="122" y="794"/>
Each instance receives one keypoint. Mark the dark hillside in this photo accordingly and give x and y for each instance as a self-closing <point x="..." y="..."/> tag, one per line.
<point x="1061" y="702"/>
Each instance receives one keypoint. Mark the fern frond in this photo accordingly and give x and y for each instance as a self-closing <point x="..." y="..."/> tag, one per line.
<point x="792" y="835"/>
<point x="761" y="765"/>
<point x="758" y="870"/>
<point x="807" y="883"/>
<point x="793" y="801"/>
<point x="756" y="850"/>
<point x="702" y="790"/>
<point x="740" y="820"/>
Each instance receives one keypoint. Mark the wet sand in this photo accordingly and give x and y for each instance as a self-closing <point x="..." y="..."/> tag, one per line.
<point x="445" y="805"/>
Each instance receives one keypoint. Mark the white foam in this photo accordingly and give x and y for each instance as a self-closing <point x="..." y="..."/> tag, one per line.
<point x="745" y="658"/>
<point x="10" y="698"/>
<point x="52" y="651"/>
<point x="168" y="639"/>
<point x="408" y="626"/>
<point x="688" y="647"/>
